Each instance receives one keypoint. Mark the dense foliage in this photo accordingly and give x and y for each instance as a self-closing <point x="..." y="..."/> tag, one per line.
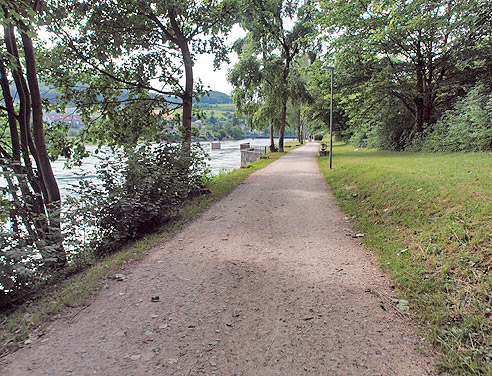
<point x="112" y="61"/>
<point x="266" y="78"/>
<point x="143" y="49"/>
<point x="401" y="66"/>
<point x="465" y="127"/>
<point x="30" y="231"/>
<point x="139" y="189"/>
<point x="214" y="97"/>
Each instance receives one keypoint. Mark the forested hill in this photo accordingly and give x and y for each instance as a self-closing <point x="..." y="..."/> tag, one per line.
<point x="214" y="97"/>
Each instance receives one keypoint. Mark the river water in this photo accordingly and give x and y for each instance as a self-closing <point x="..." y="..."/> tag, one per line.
<point x="228" y="157"/>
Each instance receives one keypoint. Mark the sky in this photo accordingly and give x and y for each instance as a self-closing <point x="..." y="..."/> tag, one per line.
<point x="204" y="69"/>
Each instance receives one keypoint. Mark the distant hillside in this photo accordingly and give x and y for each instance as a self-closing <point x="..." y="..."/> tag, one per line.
<point x="214" y="97"/>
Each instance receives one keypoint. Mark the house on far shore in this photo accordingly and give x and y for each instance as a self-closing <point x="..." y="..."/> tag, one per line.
<point x="72" y="119"/>
<point x="166" y="120"/>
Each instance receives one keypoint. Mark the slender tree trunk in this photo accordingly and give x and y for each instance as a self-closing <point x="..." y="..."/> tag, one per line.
<point x="272" y="141"/>
<point x="428" y="104"/>
<point x="56" y="254"/>
<point x="429" y="85"/>
<point x="282" y="126"/>
<point x="187" y="96"/>
<point x="24" y="174"/>
<point x="283" y="117"/>
<point x="53" y="193"/>
<point x="303" y="131"/>
<point x="300" y="137"/>
<point x="11" y="115"/>
<point x="188" y="99"/>
<point x="14" y="161"/>
<point x="298" y="131"/>
<point x="24" y="118"/>
<point x="419" y="99"/>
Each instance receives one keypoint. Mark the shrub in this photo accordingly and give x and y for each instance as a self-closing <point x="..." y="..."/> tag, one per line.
<point x="318" y="137"/>
<point x="467" y="127"/>
<point x="139" y="190"/>
<point x="358" y="138"/>
<point x="25" y="251"/>
<point x="20" y="269"/>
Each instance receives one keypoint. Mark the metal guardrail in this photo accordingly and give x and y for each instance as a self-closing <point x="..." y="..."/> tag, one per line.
<point x="247" y="147"/>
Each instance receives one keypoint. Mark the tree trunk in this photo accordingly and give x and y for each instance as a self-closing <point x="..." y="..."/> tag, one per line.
<point x="428" y="105"/>
<point x="24" y="119"/>
<point x="25" y="174"/>
<point x="303" y="131"/>
<point x="37" y="122"/>
<point x="11" y="116"/>
<point x="272" y="141"/>
<point x="56" y="254"/>
<point x="187" y="95"/>
<point x="419" y="99"/>
<point x="419" y="118"/>
<point x="187" y="99"/>
<point x="300" y="132"/>
<point x="14" y="161"/>
<point x="282" y="126"/>
<point x="283" y="117"/>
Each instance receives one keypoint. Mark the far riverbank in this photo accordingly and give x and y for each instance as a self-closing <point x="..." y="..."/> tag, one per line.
<point x="226" y="158"/>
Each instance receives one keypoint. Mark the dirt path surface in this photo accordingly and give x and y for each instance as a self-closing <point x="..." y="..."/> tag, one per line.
<point x="266" y="282"/>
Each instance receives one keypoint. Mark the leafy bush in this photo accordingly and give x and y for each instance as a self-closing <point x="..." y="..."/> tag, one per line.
<point x="358" y="138"/>
<point x="26" y="253"/>
<point x="378" y="123"/>
<point x="18" y="267"/>
<point x="318" y="137"/>
<point x="137" y="191"/>
<point x="467" y="127"/>
<point x="140" y="190"/>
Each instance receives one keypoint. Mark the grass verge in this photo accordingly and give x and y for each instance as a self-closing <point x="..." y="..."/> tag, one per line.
<point x="30" y="320"/>
<point x="429" y="219"/>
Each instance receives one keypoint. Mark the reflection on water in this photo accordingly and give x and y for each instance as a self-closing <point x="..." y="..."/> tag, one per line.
<point x="227" y="157"/>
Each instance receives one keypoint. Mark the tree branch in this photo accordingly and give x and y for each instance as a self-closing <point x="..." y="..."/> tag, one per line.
<point x="71" y="44"/>
<point x="401" y="97"/>
<point x="151" y="16"/>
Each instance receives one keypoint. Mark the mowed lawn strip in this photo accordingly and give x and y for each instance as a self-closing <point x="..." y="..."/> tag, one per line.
<point x="29" y="321"/>
<point x="428" y="217"/>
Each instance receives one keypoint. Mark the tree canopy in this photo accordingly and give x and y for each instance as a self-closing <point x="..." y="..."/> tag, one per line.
<point x="145" y="49"/>
<point x="401" y="65"/>
<point x="277" y="35"/>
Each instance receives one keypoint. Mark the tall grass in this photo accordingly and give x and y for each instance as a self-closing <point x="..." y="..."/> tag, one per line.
<point x="429" y="218"/>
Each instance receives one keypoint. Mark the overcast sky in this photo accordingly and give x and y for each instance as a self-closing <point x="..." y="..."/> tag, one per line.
<point x="204" y="67"/>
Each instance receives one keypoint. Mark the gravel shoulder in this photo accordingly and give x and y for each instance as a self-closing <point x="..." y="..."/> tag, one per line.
<point x="265" y="282"/>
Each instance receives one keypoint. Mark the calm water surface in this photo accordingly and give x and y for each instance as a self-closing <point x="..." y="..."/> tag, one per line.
<point x="227" y="158"/>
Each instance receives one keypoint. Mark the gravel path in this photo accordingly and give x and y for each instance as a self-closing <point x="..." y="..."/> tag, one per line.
<point x="265" y="282"/>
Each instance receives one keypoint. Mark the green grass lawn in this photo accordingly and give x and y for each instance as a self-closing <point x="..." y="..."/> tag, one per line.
<point x="226" y="106"/>
<point x="77" y="290"/>
<point x="220" y="113"/>
<point x="429" y="219"/>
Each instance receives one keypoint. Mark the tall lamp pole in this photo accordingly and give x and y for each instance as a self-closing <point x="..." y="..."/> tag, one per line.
<point x="325" y="67"/>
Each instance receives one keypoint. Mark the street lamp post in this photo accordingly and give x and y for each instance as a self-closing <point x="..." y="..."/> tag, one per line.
<point x="325" y="67"/>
